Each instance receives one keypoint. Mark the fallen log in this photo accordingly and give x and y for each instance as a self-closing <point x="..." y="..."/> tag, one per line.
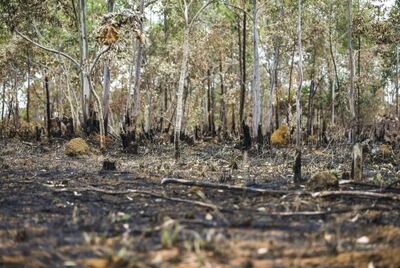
<point x="226" y="186"/>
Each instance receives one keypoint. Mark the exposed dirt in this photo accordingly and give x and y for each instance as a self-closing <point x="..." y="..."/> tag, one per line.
<point x="55" y="210"/>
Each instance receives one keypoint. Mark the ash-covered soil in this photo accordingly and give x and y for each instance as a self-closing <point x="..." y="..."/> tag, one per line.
<point x="60" y="211"/>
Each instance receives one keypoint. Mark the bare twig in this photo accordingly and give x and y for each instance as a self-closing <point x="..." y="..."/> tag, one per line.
<point x="48" y="49"/>
<point x="225" y="186"/>
<point x="132" y="191"/>
<point x="360" y="194"/>
<point x="98" y="57"/>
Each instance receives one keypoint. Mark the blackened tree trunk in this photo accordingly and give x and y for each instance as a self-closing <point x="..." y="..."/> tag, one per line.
<point x="16" y="112"/>
<point x="48" y="112"/>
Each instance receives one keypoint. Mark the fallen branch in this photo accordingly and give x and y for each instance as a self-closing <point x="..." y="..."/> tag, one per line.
<point x="390" y="186"/>
<point x="131" y="191"/>
<point x="226" y="186"/>
<point x="360" y="194"/>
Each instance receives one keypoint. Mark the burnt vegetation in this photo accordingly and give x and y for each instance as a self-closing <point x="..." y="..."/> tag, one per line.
<point x="199" y="133"/>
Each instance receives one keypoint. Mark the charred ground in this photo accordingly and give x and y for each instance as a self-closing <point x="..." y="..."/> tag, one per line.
<point x="58" y="211"/>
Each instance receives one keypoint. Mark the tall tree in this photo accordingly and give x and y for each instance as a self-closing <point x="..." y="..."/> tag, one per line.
<point x="297" y="164"/>
<point x="256" y="83"/>
<point x="351" y="66"/>
<point x="107" y="80"/>
<point x="242" y="61"/>
<point x="188" y="23"/>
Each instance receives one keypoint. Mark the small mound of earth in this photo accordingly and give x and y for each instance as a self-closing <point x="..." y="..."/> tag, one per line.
<point x="77" y="146"/>
<point x="323" y="181"/>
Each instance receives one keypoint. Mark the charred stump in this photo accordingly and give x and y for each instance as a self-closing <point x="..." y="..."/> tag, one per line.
<point x="297" y="167"/>
<point x="109" y="165"/>
<point x="246" y="138"/>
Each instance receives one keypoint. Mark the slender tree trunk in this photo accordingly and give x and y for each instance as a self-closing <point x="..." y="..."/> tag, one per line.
<point x="106" y="96"/>
<point x="333" y="104"/>
<point x="310" y="110"/>
<point x="210" y="104"/>
<point x="243" y="68"/>
<point x="332" y="52"/>
<point x="148" y="112"/>
<point x="128" y="106"/>
<point x="233" y="118"/>
<point x="256" y="83"/>
<point x="3" y="102"/>
<point x="48" y="112"/>
<point x="85" y="95"/>
<point x="397" y="82"/>
<point x="16" y="114"/>
<point x="223" y="106"/>
<point x="71" y="96"/>
<point x="101" y="119"/>
<point x="277" y="96"/>
<point x="241" y="101"/>
<point x="28" y="93"/>
<point x="179" y="94"/>
<point x="269" y="123"/>
<point x="297" y="164"/>
<point x="165" y="101"/>
<point x="106" y="81"/>
<point x="289" y="111"/>
<point x="351" y="66"/>
<point x="138" y="70"/>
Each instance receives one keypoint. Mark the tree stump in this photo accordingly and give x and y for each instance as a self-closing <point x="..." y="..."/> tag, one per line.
<point x="246" y="137"/>
<point x="356" y="167"/>
<point x="109" y="165"/>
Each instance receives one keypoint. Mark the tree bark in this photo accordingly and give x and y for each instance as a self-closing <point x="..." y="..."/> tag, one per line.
<point x="28" y="93"/>
<point x="351" y="66"/>
<point x="179" y="94"/>
<point x="297" y="164"/>
<point x="16" y="113"/>
<point x="138" y="71"/>
<point x="106" y="96"/>
<point x="397" y="82"/>
<point x="289" y="111"/>
<point x="85" y="72"/>
<point x="223" y="105"/>
<point x="3" y="102"/>
<point x="182" y="76"/>
<point x="210" y="104"/>
<point x="106" y="81"/>
<point x="48" y="112"/>
<point x="243" y="68"/>
<point x="256" y="83"/>
<point x="269" y="123"/>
